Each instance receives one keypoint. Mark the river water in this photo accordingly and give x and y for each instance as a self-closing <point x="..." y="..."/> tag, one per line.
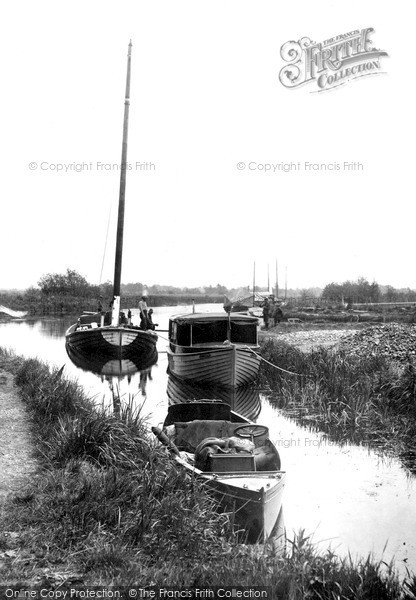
<point x="345" y="497"/>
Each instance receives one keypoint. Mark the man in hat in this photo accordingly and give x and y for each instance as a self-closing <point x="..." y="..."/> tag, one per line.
<point x="143" y="311"/>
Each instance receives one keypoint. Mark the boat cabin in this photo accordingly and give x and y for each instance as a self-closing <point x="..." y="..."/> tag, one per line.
<point x="201" y="329"/>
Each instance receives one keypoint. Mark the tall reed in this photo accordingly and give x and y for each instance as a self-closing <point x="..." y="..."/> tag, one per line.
<point x="350" y="398"/>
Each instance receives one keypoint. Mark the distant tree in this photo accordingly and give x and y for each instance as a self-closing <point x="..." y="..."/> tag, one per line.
<point x="221" y="289"/>
<point x="409" y="295"/>
<point x="333" y="292"/>
<point x="76" y="284"/>
<point x="32" y="294"/>
<point x="106" y="289"/>
<point x="352" y="291"/>
<point x="69" y="284"/>
<point x="306" y="295"/>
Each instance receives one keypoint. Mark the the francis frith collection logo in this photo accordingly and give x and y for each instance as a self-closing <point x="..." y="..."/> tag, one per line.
<point x="331" y="63"/>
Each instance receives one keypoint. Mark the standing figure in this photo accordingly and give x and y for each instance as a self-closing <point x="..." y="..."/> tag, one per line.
<point x="266" y="313"/>
<point x="143" y="312"/>
<point x="277" y="314"/>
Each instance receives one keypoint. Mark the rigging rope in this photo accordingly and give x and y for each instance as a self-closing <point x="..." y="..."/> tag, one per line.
<point x="105" y="244"/>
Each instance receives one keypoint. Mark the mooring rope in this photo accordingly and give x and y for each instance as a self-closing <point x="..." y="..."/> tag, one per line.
<point x="246" y="348"/>
<point x="274" y="366"/>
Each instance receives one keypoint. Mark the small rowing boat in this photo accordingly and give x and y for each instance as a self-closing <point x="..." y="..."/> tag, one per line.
<point x="234" y="457"/>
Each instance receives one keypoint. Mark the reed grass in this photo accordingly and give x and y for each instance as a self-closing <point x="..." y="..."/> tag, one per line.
<point x="110" y="507"/>
<point x="367" y="400"/>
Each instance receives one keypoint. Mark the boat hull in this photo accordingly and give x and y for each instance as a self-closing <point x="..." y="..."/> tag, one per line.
<point x="229" y="365"/>
<point x="254" y="500"/>
<point x="121" y="342"/>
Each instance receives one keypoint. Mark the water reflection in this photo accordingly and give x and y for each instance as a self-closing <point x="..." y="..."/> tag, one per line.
<point x="244" y="400"/>
<point x="116" y="367"/>
<point x="54" y="327"/>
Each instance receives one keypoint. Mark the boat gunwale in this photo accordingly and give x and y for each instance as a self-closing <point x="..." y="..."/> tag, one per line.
<point x="191" y="318"/>
<point x="109" y="328"/>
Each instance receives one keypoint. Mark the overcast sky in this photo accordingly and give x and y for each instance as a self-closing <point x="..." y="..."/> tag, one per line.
<point x="205" y="96"/>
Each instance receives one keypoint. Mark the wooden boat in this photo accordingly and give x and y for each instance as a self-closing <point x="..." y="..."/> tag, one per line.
<point x="214" y="348"/>
<point x="111" y="334"/>
<point x="244" y="399"/>
<point x="233" y="457"/>
<point x="111" y="367"/>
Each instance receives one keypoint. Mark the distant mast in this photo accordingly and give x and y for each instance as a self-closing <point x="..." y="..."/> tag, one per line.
<point x="120" y="223"/>
<point x="277" y="281"/>
<point x="285" y="283"/>
<point x="254" y="282"/>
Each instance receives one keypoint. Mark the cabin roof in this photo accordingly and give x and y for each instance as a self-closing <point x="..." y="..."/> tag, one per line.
<point x="190" y="318"/>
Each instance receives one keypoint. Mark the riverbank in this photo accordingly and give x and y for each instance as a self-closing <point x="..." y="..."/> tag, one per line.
<point x="36" y="304"/>
<point x="354" y="386"/>
<point x="107" y="506"/>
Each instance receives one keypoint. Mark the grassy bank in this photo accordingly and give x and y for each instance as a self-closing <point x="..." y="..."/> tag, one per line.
<point x="361" y="399"/>
<point x="110" y="507"/>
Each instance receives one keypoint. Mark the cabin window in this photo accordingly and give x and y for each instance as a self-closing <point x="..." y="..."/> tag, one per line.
<point x="183" y="334"/>
<point x="172" y="331"/>
<point x="203" y="333"/>
<point x="244" y="333"/>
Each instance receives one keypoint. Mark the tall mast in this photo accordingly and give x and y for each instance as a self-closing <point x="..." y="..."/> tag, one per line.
<point x="285" y="283"/>
<point x="277" y="281"/>
<point x="121" y="202"/>
<point x="254" y="282"/>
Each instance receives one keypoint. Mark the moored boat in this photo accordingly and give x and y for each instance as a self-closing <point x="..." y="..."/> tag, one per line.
<point x="214" y="348"/>
<point x="120" y="341"/>
<point x="244" y="399"/>
<point x="234" y="458"/>
<point x="104" y="365"/>
<point x="112" y="334"/>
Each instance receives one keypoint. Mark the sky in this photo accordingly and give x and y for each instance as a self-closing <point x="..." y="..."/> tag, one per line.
<point x="205" y="96"/>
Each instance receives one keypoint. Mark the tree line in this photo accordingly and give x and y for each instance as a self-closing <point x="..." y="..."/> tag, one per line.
<point x="72" y="284"/>
<point x="362" y="291"/>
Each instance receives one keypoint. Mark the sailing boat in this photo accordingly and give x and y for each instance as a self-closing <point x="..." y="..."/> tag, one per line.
<point x="111" y="334"/>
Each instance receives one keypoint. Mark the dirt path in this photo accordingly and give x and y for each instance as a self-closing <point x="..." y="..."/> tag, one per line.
<point x="17" y="461"/>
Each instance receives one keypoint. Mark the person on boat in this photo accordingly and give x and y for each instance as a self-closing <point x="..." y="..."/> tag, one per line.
<point x="266" y="313"/>
<point x="143" y="312"/>
<point x="150" y="324"/>
<point x="277" y="314"/>
<point x="100" y="304"/>
<point x="107" y="316"/>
